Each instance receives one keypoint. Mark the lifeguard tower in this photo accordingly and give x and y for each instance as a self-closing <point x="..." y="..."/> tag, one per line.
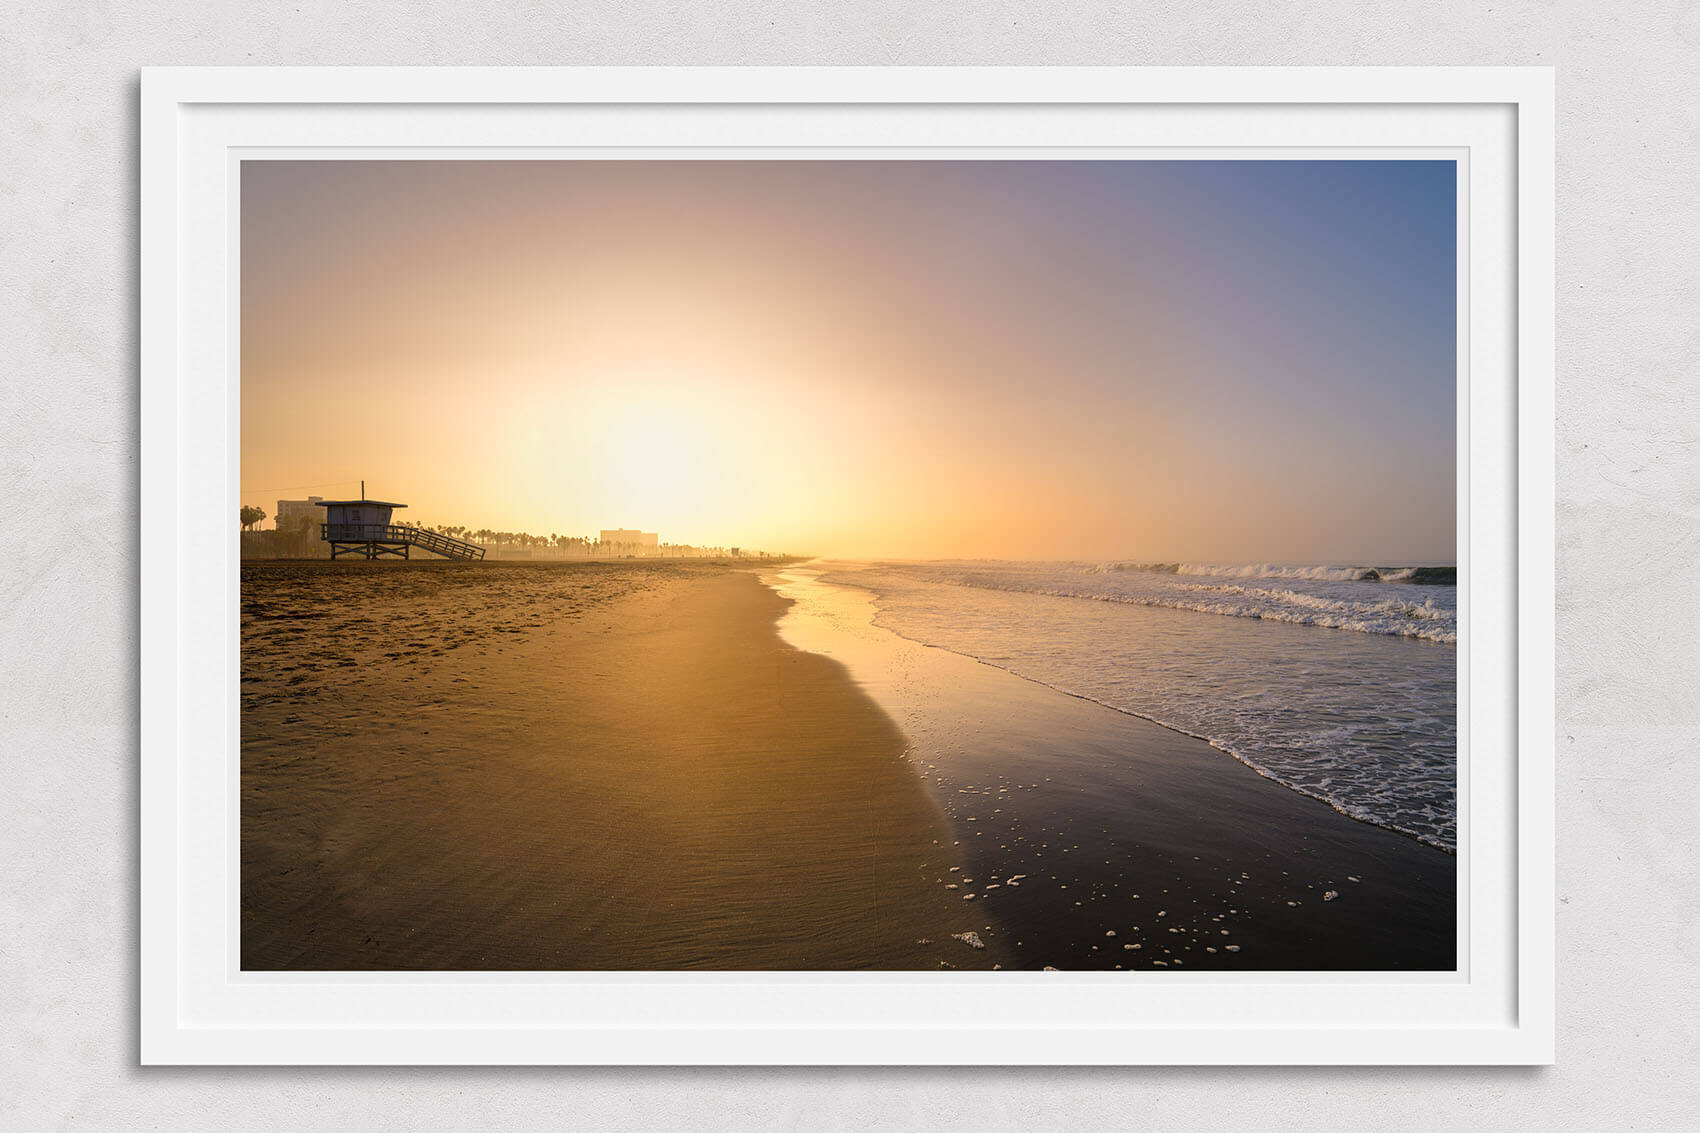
<point x="363" y="527"/>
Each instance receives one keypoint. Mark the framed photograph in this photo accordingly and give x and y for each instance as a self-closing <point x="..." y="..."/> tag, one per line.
<point x="847" y="566"/>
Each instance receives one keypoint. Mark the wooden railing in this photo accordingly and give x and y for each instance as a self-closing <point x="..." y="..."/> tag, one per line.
<point x="392" y="533"/>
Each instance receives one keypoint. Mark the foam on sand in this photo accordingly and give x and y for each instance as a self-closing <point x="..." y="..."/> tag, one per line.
<point x="1365" y="721"/>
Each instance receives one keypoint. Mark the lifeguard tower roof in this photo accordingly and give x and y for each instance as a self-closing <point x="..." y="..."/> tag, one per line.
<point x="358" y="503"/>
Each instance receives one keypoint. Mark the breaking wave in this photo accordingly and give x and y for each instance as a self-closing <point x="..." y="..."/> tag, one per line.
<point x="1417" y="575"/>
<point x="1358" y="599"/>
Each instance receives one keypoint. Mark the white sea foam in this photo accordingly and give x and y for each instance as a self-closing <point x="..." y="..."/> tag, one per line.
<point x="1357" y="599"/>
<point x="1363" y="720"/>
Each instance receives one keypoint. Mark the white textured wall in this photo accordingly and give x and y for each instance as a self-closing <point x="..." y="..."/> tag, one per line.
<point x="1629" y="489"/>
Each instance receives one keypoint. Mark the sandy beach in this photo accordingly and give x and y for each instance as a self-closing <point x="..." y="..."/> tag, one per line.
<point x="688" y="766"/>
<point x="603" y="766"/>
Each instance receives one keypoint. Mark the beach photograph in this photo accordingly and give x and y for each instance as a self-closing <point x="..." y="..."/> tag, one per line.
<point x="849" y="565"/>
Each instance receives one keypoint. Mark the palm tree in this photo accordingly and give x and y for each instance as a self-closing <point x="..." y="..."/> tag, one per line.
<point x="251" y="515"/>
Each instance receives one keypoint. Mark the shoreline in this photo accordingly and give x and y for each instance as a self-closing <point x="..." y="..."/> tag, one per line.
<point x="1134" y="844"/>
<point x="1179" y="731"/>
<point x="1365" y="722"/>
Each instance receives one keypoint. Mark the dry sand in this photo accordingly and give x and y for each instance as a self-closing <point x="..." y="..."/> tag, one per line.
<point x="577" y="766"/>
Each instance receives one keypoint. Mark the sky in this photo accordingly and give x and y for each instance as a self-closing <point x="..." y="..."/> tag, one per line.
<point x="1220" y="361"/>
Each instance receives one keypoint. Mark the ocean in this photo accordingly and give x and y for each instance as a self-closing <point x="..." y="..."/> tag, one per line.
<point x="1336" y="681"/>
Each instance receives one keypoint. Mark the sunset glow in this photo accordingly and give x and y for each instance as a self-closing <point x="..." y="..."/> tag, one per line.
<point x="1221" y="361"/>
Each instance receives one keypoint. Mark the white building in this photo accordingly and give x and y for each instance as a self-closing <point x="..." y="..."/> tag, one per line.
<point x="291" y="514"/>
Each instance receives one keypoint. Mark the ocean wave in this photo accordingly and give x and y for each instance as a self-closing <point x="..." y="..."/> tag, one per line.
<point x="1421" y="575"/>
<point x="1392" y="609"/>
<point x="1359" y="609"/>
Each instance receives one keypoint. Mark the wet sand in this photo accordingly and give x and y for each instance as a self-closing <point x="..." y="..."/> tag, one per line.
<point x="571" y="767"/>
<point x="1095" y="839"/>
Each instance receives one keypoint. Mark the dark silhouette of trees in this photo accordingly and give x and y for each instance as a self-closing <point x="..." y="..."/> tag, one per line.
<point x="523" y="544"/>
<point x="251" y="515"/>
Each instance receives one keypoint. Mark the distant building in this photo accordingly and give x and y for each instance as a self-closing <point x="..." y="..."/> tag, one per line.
<point x="291" y="515"/>
<point x="637" y="538"/>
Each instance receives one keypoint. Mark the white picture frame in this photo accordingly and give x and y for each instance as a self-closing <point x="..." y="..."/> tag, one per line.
<point x="197" y="1007"/>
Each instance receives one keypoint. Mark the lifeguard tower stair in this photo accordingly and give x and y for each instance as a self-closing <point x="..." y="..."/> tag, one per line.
<point x="362" y="527"/>
<point x="445" y="545"/>
<point x="370" y="540"/>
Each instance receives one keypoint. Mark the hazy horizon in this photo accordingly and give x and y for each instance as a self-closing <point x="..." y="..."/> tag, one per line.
<point x="1205" y="361"/>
